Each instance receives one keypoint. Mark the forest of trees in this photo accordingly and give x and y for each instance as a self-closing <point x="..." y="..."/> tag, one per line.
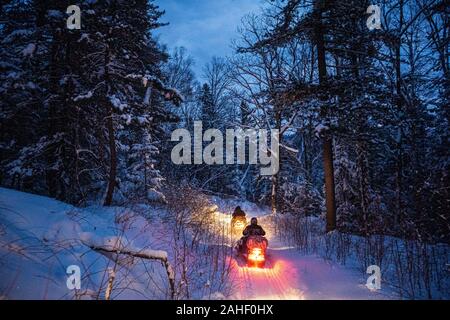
<point x="363" y="114"/>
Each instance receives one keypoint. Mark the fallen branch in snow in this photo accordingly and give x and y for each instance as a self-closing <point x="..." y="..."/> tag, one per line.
<point x="112" y="276"/>
<point x="149" y="254"/>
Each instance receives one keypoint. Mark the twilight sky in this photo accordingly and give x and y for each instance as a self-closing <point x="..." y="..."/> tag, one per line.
<point x="203" y="27"/>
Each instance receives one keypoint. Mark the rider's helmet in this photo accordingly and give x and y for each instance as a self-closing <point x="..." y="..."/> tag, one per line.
<point x="254" y="221"/>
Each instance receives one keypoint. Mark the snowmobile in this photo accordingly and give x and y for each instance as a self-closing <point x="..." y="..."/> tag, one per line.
<point x="253" y="249"/>
<point x="238" y="224"/>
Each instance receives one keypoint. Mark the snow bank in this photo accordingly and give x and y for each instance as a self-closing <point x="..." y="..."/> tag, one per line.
<point x="119" y="245"/>
<point x="41" y="237"/>
<point x="215" y="296"/>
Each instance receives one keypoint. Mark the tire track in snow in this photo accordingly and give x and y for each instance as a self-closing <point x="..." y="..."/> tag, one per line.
<point x="265" y="283"/>
<point x="278" y="283"/>
<point x="291" y="275"/>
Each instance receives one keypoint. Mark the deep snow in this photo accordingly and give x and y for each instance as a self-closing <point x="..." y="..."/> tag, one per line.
<point x="291" y="276"/>
<point x="40" y="237"/>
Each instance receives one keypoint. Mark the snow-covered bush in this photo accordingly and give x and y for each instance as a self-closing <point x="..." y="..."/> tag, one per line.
<point x="415" y="270"/>
<point x="299" y="198"/>
<point x="199" y="245"/>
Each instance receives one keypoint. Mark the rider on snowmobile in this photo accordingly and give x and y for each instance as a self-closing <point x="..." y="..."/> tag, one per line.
<point x="253" y="229"/>
<point x="238" y="212"/>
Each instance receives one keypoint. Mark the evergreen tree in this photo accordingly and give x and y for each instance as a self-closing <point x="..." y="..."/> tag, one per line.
<point x="100" y="95"/>
<point x="209" y="110"/>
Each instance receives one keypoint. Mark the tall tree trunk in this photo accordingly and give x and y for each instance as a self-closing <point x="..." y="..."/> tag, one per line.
<point x="112" y="158"/>
<point x="327" y="140"/>
<point x="111" y="137"/>
<point x="329" y="184"/>
<point x="51" y="174"/>
<point x="273" y="196"/>
<point x="398" y="73"/>
<point x="276" y="177"/>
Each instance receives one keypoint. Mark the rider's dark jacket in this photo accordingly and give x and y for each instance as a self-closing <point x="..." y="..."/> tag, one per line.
<point x="253" y="230"/>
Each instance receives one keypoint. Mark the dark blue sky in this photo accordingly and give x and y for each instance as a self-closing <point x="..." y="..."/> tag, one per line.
<point x="204" y="27"/>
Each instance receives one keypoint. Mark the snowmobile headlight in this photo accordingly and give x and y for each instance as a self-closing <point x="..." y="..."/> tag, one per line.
<point x="256" y="254"/>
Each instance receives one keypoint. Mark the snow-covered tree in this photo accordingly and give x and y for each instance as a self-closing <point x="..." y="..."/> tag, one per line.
<point x="100" y="95"/>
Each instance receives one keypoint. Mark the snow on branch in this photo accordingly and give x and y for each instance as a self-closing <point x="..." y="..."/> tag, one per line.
<point x="29" y="50"/>
<point x="321" y="129"/>
<point x="289" y="148"/>
<point x="85" y="96"/>
<point x="169" y="94"/>
<point x="116" y="245"/>
<point x="289" y="123"/>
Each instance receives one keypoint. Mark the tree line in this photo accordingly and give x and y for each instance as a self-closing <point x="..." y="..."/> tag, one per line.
<point x="363" y="114"/>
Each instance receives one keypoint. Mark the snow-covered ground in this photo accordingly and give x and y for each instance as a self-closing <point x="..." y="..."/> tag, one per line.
<point x="291" y="276"/>
<point x="41" y="237"/>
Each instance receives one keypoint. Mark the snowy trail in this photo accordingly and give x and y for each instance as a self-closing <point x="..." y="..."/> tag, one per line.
<point x="270" y="283"/>
<point x="288" y="275"/>
<point x="40" y="237"/>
